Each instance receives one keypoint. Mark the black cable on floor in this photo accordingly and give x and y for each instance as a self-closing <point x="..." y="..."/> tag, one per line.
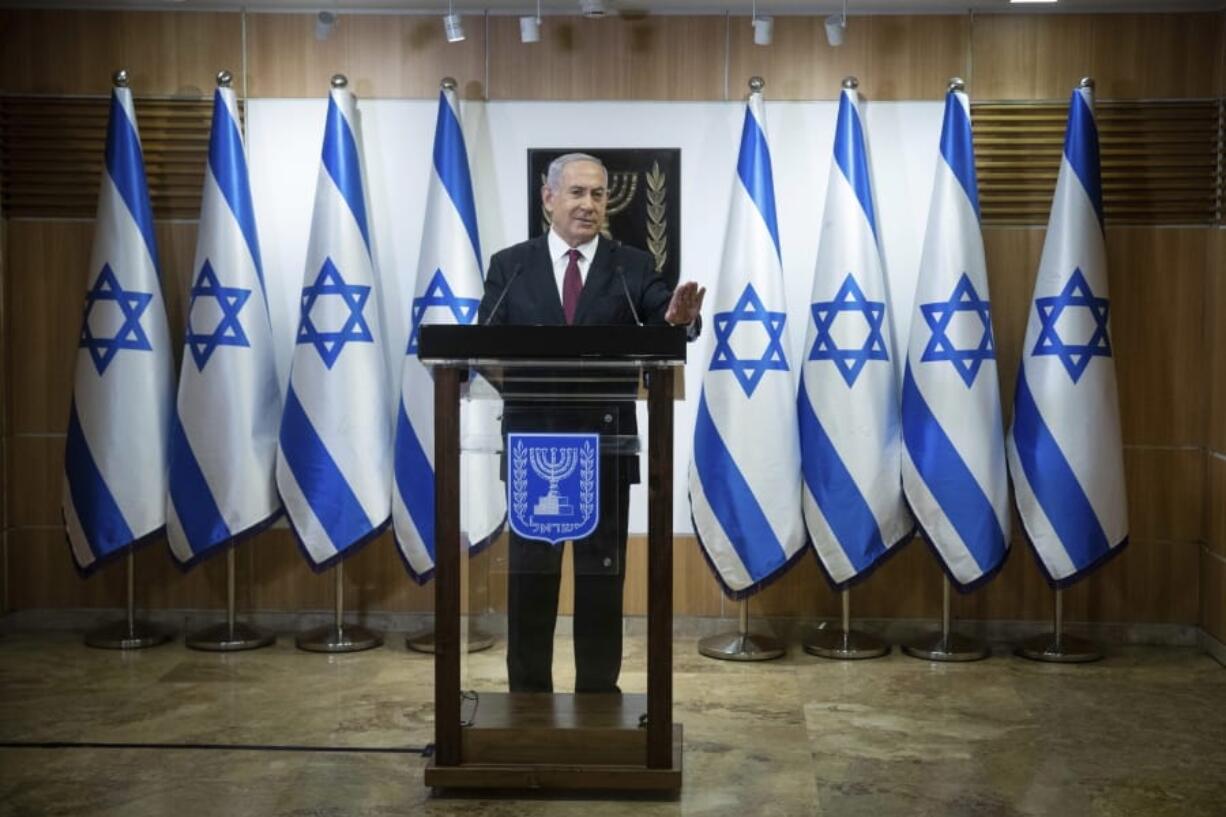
<point x="239" y="747"/>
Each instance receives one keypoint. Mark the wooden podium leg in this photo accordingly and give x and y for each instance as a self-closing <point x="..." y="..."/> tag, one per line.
<point x="660" y="569"/>
<point x="447" y="566"/>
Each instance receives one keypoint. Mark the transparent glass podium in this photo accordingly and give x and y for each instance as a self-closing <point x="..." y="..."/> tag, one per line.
<point x="568" y="447"/>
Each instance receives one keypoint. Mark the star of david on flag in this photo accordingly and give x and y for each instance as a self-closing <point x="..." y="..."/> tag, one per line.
<point x="939" y="316"/>
<point x="849" y="299"/>
<point x="1075" y="356"/>
<point x="448" y="288"/>
<point x="129" y="335"/>
<point x="953" y="461"/>
<point x="745" y="487"/>
<point x="749" y="370"/>
<point x="223" y="444"/>
<point x="229" y="330"/>
<point x="1064" y="447"/>
<point x="115" y="455"/>
<point x="848" y="413"/>
<point x="334" y="452"/>
<point x="439" y="295"/>
<point x="354" y="329"/>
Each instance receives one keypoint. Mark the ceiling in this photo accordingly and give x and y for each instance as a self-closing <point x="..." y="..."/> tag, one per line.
<point x="638" y="7"/>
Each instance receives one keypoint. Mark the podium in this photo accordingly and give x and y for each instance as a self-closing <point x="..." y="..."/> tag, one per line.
<point x="523" y="740"/>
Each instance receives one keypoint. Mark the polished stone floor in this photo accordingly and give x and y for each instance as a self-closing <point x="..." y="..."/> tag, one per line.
<point x="1141" y="733"/>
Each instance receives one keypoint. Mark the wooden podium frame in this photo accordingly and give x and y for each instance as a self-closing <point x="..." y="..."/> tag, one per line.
<point x="547" y="741"/>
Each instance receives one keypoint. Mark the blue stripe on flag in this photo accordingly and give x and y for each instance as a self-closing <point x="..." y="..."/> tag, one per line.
<point x="1081" y="150"/>
<point x="320" y="479"/>
<point x="951" y="482"/>
<point x="126" y="167"/>
<point x="229" y="166"/>
<point x="844" y="506"/>
<point x="193" y="499"/>
<point x="340" y="157"/>
<point x="958" y="148"/>
<point x="754" y="167"/>
<point x="101" y="519"/>
<point x="1054" y="483"/>
<point x="415" y="483"/>
<point x="732" y="501"/>
<point x="451" y="164"/>
<point x="852" y="157"/>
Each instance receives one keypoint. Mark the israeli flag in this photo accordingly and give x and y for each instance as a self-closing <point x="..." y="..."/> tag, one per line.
<point x="448" y="290"/>
<point x="850" y="436"/>
<point x="953" y="462"/>
<point x="334" y="456"/>
<point x="745" y="487"/>
<point x="1064" y="448"/>
<point x="115" y="459"/>
<point x="223" y="442"/>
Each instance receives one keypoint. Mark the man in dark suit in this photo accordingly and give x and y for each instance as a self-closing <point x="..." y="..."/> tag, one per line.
<point x="572" y="275"/>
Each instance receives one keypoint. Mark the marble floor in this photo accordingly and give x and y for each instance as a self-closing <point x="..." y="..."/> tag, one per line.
<point x="1141" y="733"/>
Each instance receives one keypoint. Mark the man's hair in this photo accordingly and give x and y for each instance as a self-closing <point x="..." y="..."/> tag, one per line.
<point x="553" y="179"/>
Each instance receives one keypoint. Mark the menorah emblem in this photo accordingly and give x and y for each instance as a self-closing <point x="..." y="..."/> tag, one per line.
<point x="553" y="485"/>
<point x="553" y="465"/>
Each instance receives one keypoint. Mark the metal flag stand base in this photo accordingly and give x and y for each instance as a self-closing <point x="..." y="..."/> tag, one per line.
<point x="129" y="634"/>
<point x="1056" y="647"/>
<point x="339" y="637"/>
<point x="846" y="644"/>
<point x="741" y="645"/>
<point x="947" y="645"/>
<point x="478" y="640"/>
<point x="230" y="635"/>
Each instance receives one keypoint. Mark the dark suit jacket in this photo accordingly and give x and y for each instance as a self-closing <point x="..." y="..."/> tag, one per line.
<point x="533" y="300"/>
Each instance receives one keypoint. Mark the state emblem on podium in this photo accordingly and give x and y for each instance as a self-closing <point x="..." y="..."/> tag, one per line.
<point x="554" y="488"/>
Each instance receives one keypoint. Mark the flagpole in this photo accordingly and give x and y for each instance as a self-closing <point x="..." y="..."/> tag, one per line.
<point x="948" y="645"/>
<point x="845" y="644"/>
<point x="131" y="633"/>
<point x="1058" y="647"/>
<point x="232" y="635"/>
<point x="741" y="645"/>
<point x="338" y="637"/>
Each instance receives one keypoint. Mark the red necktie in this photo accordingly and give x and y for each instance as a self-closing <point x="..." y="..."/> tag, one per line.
<point x="572" y="285"/>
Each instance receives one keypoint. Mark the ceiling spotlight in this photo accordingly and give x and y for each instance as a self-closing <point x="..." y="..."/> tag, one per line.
<point x="763" y="30"/>
<point x="453" y="25"/>
<point x="324" y="23"/>
<point x="530" y="27"/>
<point x="836" y="27"/>
<point x="593" y="8"/>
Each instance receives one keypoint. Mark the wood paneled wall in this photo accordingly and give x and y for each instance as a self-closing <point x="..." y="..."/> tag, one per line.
<point x="1167" y="292"/>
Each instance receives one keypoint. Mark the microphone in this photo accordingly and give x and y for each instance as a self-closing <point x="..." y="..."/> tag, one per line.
<point x="621" y="273"/>
<point x="498" y="301"/>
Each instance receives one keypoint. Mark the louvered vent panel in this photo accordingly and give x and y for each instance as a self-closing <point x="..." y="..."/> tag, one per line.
<point x="51" y="154"/>
<point x="1159" y="160"/>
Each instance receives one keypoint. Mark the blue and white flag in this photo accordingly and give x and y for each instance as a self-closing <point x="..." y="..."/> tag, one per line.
<point x="334" y="456"/>
<point x="223" y="443"/>
<point x="850" y="436"/>
<point x="448" y="290"/>
<point x="1065" y="453"/>
<point x="115" y="457"/>
<point x="953" y="464"/>
<point x="745" y="474"/>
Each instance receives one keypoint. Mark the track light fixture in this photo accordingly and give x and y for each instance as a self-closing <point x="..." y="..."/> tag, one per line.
<point x="325" y="21"/>
<point x="452" y="25"/>
<point x="836" y="27"/>
<point x="763" y="27"/>
<point x="530" y="27"/>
